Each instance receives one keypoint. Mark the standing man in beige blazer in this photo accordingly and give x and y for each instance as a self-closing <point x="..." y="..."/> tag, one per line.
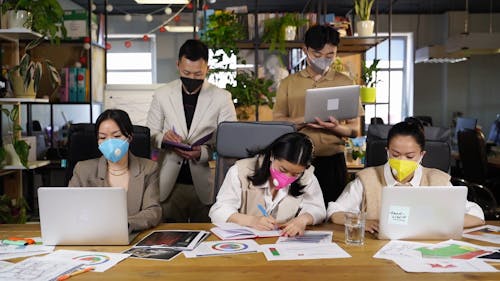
<point x="185" y="111"/>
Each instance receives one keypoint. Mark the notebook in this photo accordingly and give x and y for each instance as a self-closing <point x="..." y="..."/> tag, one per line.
<point x="228" y="230"/>
<point x="83" y="216"/>
<point x="426" y="212"/>
<point x="188" y="147"/>
<point x="340" y="102"/>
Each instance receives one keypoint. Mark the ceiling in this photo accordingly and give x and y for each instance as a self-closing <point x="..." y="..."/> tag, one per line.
<point x="339" y="7"/>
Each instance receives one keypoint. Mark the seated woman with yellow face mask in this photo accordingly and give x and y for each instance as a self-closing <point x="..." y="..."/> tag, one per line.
<point x="405" y="150"/>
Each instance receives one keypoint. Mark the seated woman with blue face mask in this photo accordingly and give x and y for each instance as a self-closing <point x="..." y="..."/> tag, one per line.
<point x="120" y="168"/>
<point x="280" y="179"/>
<point x="405" y="150"/>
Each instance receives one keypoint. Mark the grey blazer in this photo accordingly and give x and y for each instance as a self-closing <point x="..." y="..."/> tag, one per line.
<point x="143" y="195"/>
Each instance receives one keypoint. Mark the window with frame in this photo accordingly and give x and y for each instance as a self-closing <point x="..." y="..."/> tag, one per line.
<point x="394" y="99"/>
<point x="133" y="65"/>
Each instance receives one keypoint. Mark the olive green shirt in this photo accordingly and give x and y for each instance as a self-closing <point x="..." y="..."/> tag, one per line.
<point x="290" y="105"/>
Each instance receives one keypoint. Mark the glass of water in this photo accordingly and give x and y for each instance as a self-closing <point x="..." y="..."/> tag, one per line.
<point x="355" y="228"/>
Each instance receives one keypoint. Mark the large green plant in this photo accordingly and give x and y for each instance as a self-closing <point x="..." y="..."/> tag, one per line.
<point x="13" y="210"/>
<point x="274" y="30"/>
<point x="21" y="147"/>
<point x="250" y="90"/>
<point x="31" y="69"/>
<point x="45" y="16"/>
<point x="368" y="73"/>
<point x="222" y="32"/>
<point x="363" y="8"/>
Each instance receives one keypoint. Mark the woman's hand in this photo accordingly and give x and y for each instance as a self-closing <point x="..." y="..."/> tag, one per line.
<point x="371" y="226"/>
<point x="263" y="223"/>
<point x="296" y="226"/>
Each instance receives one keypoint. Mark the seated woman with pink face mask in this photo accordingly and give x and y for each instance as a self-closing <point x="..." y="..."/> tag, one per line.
<point x="405" y="150"/>
<point x="279" y="178"/>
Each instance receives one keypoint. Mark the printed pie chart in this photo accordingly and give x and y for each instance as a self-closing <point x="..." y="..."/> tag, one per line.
<point x="229" y="247"/>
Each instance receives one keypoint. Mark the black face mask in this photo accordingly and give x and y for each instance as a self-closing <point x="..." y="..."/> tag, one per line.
<point x="191" y="84"/>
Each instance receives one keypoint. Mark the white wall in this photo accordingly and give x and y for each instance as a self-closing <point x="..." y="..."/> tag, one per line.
<point x="471" y="87"/>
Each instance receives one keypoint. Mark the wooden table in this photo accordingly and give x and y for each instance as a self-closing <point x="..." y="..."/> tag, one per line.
<point x="362" y="266"/>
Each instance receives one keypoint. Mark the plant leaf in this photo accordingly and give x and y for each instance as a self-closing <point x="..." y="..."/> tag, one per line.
<point x="34" y="43"/>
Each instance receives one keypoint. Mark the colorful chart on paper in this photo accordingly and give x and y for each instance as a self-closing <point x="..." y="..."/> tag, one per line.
<point x="92" y="259"/>
<point x="452" y="251"/>
<point x="231" y="247"/>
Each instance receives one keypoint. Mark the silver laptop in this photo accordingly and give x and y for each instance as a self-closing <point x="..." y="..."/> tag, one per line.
<point x="340" y="102"/>
<point x="83" y="216"/>
<point x="428" y="212"/>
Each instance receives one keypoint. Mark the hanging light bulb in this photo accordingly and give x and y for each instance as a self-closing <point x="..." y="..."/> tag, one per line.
<point x="149" y="18"/>
<point x="145" y="38"/>
<point x="128" y="17"/>
<point x="212" y="1"/>
<point x="163" y="29"/>
<point x="109" y="8"/>
<point x="127" y="44"/>
<point x="86" y="43"/>
<point x="168" y="11"/>
<point x="93" y="7"/>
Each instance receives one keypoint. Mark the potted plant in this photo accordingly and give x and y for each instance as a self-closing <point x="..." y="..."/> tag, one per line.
<point x="249" y="92"/>
<point x="369" y="77"/>
<point x="25" y="76"/>
<point x="280" y="29"/>
<point x="363" y="8"/>
<point x="16" y="152"/>
<point x="222" y="32"/>
<point x="44" y="16"/>
<point x="13" y="210"/>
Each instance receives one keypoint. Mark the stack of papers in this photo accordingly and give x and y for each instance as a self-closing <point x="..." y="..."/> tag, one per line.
<point x="311" y="245"/>
<point x="217" y="248"/>
<point x="100" y="261"/>
<point x="230" y="230"/>
<point x="18" y="251"/>
<point x="488" y="233"/>
<point x="38" y="269"/>
<point x="167" y="244"/>
<point x="447" y="256"/>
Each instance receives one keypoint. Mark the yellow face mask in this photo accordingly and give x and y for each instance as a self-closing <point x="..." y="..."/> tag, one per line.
<point x="402" y="168"/>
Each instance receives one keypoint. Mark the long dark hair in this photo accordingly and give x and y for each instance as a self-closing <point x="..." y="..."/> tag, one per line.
<point x="295" y="148"/>
<point x="410" y="127"/>
<point x="120" y="117"/>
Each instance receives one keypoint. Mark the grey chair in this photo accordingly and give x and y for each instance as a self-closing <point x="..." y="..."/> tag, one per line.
<point x="235" y="139"/>
<point x="436" y="144"/>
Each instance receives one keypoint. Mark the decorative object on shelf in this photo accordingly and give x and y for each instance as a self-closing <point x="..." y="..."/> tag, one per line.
<point x="17" y="151"/>
<point x="25" y="76"/>
<point x="356" y="150"/>
<point x="363" y="9"/>
<point x="13" y="210"/>
<point x="280" y="29"/>
<point x="369" y="77"/>
<point x="250" y="91"/>
<point x="222" y="32"/>
<point x="44" y="16"/>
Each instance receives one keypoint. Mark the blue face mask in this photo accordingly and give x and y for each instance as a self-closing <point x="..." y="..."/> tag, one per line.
<point x="114" y="149"/>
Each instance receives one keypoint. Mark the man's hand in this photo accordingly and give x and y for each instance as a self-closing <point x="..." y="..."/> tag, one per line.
<point x="172" y="136"/>
<point x="189" y="155"/>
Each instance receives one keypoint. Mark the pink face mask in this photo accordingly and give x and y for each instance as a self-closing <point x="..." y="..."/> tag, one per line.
<point x="280" y="179"/>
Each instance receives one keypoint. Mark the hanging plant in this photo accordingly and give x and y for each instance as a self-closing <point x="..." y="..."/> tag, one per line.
<point x="222" y="32"/>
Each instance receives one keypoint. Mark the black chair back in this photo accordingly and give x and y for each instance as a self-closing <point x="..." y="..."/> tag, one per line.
<point x="472" y="149"/>
<point x="82" y="144"/>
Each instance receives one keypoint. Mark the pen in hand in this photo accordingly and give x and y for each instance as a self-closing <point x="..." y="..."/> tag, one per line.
<point x="264" y="213"/>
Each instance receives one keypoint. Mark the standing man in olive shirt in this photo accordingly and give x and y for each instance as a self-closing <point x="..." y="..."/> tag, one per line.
<point x="320" y="47"/>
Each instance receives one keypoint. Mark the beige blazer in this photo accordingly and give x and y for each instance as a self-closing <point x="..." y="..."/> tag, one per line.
<point x="143" y="199"/>
<point x="167" y="112"/>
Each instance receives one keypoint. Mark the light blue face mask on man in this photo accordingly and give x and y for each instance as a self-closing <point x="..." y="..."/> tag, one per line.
<point x="114" y="149"/>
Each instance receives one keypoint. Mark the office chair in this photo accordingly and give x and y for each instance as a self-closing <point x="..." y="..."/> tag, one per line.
<point x="482" y="196"/>
<point x="235" y="139"/>
<point x="82" y="145"/>
<point x="376" y="120"/>
<point x="425" y="120"/>
<point x="436" y="144"/>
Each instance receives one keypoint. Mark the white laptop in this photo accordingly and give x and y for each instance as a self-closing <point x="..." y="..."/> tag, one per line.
<point x="427" y="212"/>
<point x="340" y="102"/>
<point x="83" y="216"/>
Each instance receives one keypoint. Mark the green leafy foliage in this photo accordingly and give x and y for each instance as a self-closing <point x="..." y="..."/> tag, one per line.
<point x="223" y="31"/>
<point x="46" y="16"/>
<point x="31" y="69"/>
<point x="363" y="8"/>
<point x="22" y="147"/>
<point x="274" y="30"/>
<point x="13" y="210"/>
<point x="250" y="90"/>
<point x="368" y="74"/>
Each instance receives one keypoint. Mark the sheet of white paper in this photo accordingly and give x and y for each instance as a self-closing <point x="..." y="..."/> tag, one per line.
<point x="13" y="251"/>
<point x="396" y="249"/>
<point x="101" y="261"/>
<point x="488" y="233"/>
<point x="443" y="265"/>
<point x="38" y="269"/>
<point x="303" y="251"/>
<point x="5" y="263"/>
<point x="309" y="237"/>
<point x="22" y="255"/>
<point x="227" y="247"/>
<point x="233" y="231"/>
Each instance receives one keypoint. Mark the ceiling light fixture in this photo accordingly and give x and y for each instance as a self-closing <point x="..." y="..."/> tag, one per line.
<point x="438" y="54"/>
<point x="165" y="2"/>
<point x="180" y="28"/>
